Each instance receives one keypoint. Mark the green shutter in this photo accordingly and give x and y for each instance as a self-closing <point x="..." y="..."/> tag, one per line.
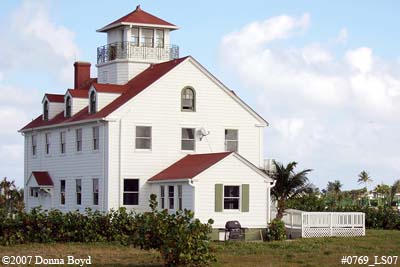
<point x="218" y="197"/>
<point x="245" y="197"/>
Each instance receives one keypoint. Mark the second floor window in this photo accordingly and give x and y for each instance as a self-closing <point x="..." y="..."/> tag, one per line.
<point x="62" y="142"/>
<point x="143" y="137"/>
<point x="188" y="140"/>
<point x="78" y="188"/>
<point x="45" y="110"/>
<point x="188" y="99"/>
<point x="78" y="139"/>
<point x="93" y="104"/>
<point x="231" y="140"/>
<point x="68" y="107"/>
<point x="47" y="143"/>
<point x="95" y="138"/>
<point x="34" y="145"/>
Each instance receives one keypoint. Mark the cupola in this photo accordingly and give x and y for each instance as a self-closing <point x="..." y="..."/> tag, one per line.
<point x="133" y="43"/>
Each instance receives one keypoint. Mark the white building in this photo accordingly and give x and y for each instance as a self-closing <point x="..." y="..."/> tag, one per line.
<point x="150" y="123"/>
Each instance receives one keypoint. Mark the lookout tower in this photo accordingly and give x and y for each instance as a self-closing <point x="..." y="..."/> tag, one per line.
<point x="133" y="43"/>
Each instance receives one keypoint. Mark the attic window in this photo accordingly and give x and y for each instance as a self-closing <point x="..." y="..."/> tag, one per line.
<point x="93" y="102"/>
<point x="68" y="107"/>
<point x="188" y="99"/>
<point x="46" y="110"/>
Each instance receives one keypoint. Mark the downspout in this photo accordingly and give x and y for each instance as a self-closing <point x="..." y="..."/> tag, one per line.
<point x="271" y="185"/>
<point x="190" y="183"/>
<point x="119" y="162"/>
<point x="104" y="169"/>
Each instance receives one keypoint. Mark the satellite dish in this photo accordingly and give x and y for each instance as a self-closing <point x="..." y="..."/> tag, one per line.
<point x="203" y="132"/>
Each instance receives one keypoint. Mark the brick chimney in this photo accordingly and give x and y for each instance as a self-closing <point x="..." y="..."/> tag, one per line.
<point x="82" y="73"/>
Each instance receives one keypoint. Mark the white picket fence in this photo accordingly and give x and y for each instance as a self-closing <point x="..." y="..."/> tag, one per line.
<point x="325" y="224"/>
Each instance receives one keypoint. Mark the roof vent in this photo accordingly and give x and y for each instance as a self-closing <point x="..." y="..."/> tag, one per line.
<point x="138" y="8"/>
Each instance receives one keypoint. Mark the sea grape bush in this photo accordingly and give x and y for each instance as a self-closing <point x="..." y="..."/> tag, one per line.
<point x="276" y="230"/>
<point x="181" y="239"/>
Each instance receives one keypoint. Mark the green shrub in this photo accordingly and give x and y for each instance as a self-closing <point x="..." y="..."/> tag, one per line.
<point x="276" y="230"/>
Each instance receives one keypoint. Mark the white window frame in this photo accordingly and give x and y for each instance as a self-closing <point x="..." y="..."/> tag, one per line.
<point x="131" y="192"/>
<point x="144" y="137"/>
<point x="171" y="197"/>
<point x="162" y="196"/>
<point x="34" y="144"/>
<point x="180" y="196"/>
<point x="239" y="198"/>
<point x="78" y="137"/>
<point x="47" y="143"/>
<point x="63" y="192"/>
<point x="63" y="142"/>
<point x="194" y="139"/>
<point x="95" y="191"/>
<point x="231" y="140"/>
<point x="96" y="134"/>
<point x="78" y="191"/>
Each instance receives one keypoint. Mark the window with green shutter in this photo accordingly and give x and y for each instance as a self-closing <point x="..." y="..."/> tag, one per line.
<point x="245" y="197"/>
<point x="218" y="197"/>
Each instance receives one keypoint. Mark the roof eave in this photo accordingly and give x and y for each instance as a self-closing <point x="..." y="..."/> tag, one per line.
<point x="169" y="180"/>
<point x="61" y="125"/>
<point x="109" y="27"/>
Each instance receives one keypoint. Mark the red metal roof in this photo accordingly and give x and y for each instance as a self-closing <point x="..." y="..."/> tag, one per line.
<point x="79" y="93"/>
<point x="110" y="88"/>
<point x="55" y="98"/>
<point x="190" y="166"/>
<point x="43" y="178"/>
<point x="141" y="17"/>
<point x="132" y="88"/>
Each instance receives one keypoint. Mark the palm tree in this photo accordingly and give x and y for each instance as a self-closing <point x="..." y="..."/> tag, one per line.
<point x="364" y="178"/>
<point x="288" y="184"/>
<point x="335" y="188"/>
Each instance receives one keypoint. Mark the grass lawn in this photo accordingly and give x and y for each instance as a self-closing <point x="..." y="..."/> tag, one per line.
<point x="300" y="252"/>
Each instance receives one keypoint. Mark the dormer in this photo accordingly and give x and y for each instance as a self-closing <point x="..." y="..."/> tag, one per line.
<point x="52" y="105"/>
<point x="100" y="95"/>
<point x="74" y="101"/>
<point x="133" y="43"/>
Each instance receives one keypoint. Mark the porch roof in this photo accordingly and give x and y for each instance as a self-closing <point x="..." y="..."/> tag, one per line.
<point x="42" y="178"/>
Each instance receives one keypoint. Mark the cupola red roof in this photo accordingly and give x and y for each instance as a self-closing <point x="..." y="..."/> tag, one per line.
<point x="139" y="17"/>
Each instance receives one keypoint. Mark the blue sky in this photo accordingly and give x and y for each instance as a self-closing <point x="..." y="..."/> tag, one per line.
<point x="305" y="74"/>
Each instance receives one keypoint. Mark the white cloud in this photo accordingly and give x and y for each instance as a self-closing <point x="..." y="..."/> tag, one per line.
<point x="319" y="104"/>
<point x="33" y="42"/>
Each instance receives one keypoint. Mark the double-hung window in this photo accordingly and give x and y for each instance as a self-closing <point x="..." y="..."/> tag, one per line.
<point x="188" y="139"/>
<point x="62" y="192"/>
<point x="34" y="144"/>
<point x="143" y="137"/>
<point x="95" y="191"/>
<point x="162" y="196"/>
<point x="131" y="191"/>
<point x="78" y="139"/>
<point x="34" y="192"/>
<point x="78" y="188"/>
<point x="62" y="142"/>
<point x="171" y="197"/>
<point x="47" y="143"/>
<point x="179" y="197"/>
<point x="231" y="140"/>
<point x="95" y="138"/>
<point x="231" y="197"/>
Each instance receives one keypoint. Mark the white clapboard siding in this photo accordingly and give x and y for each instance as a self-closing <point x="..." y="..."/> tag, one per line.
<point x="231" y="171"/>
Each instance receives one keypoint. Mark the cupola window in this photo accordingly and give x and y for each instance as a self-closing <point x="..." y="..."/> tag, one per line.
<point x="46" y="110"/>
<point x="68" y="107"/>
<point x="188" y="99"/>
<point x="93" y="102"/>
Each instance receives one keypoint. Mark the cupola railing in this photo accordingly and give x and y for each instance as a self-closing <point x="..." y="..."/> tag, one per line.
<point x="137" y="51"/>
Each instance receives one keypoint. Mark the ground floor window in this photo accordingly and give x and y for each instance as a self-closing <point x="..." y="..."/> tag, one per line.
<point x="231" y="197"/>
<point x="131" y="192"/>
<point x="34" y="191"/>
<point x="78" y="188"/>
<point x="95" y="191"/>
<point x="62" y="192"/>
<point x="171" y="196"/>
<point x="162" y="196"/>
<point x="180" y="197"/>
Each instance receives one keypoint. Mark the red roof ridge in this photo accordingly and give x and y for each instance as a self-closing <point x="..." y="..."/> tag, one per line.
<point x="190" y="166"/>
